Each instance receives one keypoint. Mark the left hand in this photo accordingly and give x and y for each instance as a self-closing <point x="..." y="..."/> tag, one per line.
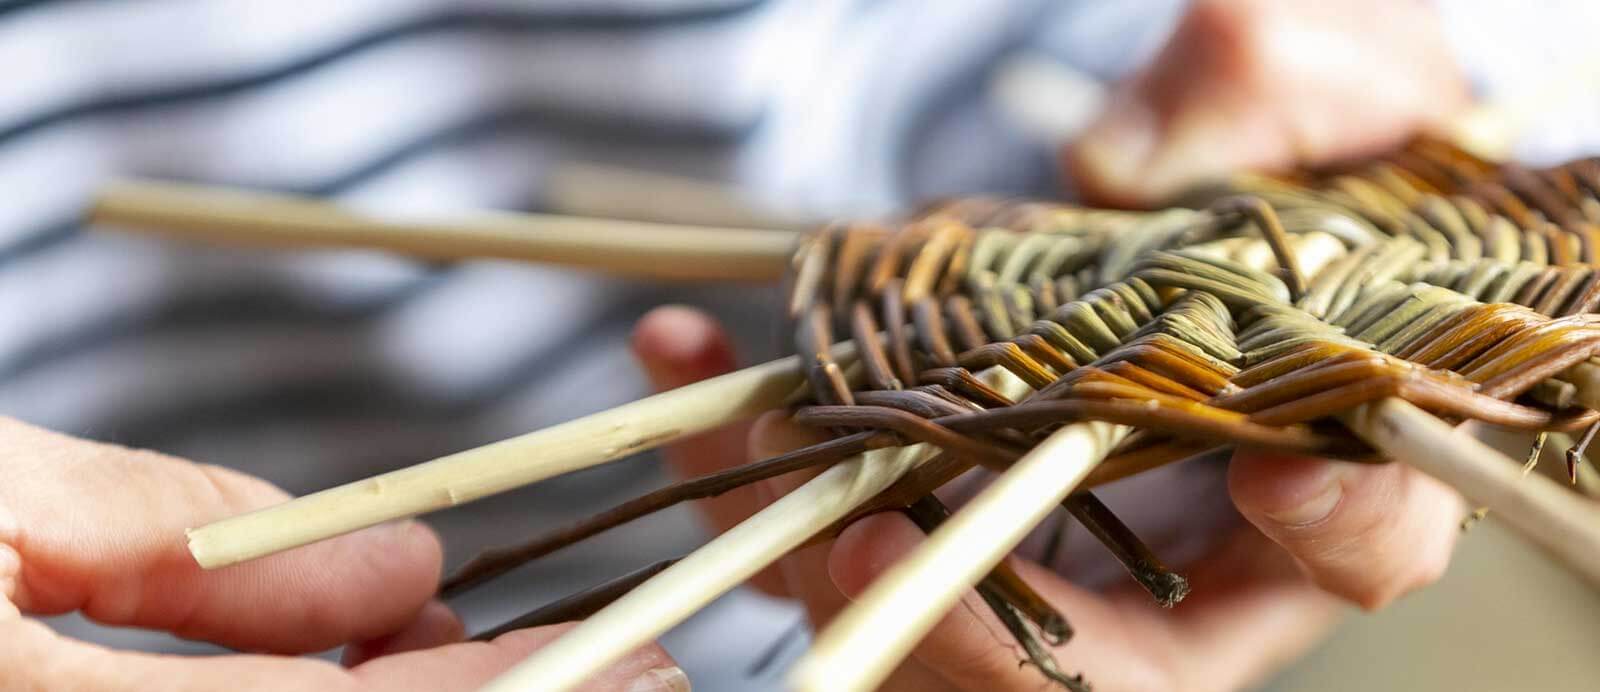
<point x="98" y="529"/>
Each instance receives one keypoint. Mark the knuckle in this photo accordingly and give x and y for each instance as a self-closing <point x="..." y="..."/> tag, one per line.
<point x="1241" y="23"/>
<point x="1374" y="597"/>
<point x="1430" y="570"/>
<point x="1373" y="579"/>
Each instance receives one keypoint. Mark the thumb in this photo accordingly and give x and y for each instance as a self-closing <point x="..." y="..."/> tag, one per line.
<point x="1254" y="84"/>
<point x="1368" y="533"/>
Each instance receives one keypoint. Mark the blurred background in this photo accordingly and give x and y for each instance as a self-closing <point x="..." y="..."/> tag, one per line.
<point x="311" y="369"/>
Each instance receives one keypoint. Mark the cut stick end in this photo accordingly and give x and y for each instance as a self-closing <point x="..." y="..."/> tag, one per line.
<point x="203" y="551"/>
<point x="1056" y="630"/>
<point x="452" y="480"/>
<point x="1171" y="589"/>
<point x="126" y="203"/>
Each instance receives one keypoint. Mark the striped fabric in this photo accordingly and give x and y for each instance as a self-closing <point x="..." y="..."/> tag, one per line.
<point x="315" y="368"/>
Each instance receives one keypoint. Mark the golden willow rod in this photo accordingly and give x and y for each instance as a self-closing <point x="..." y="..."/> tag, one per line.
<point x="627" y="248"/>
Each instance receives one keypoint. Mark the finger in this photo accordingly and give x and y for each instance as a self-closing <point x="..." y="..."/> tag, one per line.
<point x="435" y="625"/>
<point x="469" y="665"/>
<point x="801" y="574"/>
<point x="1367" y="533"/>
<point x="1236" y="88"/>
<point x="100" y="528"/>
<point x="805" y="572"/>
<point x="1124" y="641"/>
<point x="678" y="345"/>
<point x="39" y="659"/>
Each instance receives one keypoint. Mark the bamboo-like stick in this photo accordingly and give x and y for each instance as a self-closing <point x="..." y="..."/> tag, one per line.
<point x="587" y="189"/>
<point x="1555" y="519"/>
<point x="722" y="564"/>
<point x="628" y="248"/>
<point x="714" y="569"/>
<point x="576" y="606"/>
<point x="469" y="475"/>
<point x="869" y="638"/>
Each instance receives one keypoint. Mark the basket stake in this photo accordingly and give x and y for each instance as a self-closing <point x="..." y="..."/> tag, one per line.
<point x="635" y="249"/>
<point x="465" y="476"/>
<point x="870" y="637"/>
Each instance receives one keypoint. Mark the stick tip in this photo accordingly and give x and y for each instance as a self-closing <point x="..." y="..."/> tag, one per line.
<point x="202" y="551"/>
<point x="1174" y="588"/>
<point x="108" y="198"/>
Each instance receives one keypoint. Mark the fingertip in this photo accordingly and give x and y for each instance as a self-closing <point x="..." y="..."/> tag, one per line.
<point x="678" y="345"/>
<point x="361" y="586"/>
<point x="422" y="542"/>
<point x="406" y="556"/>
<point x="868" y="548"/>
<point x="775" y="432"/>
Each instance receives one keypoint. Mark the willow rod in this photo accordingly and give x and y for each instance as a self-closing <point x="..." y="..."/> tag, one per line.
<point x="636" y="249"/>
<point x="869" y="638"/>
<point x="716" y="568"/>
<point x="670" y="597"/>
<point x="865" y="642"/>
<point x="465" y="476"/>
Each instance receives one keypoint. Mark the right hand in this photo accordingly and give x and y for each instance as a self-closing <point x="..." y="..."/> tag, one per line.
<point x="1320" y="531"/>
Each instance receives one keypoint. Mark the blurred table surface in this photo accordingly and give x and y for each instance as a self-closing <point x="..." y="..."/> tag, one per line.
<point x="1502" y="618"/>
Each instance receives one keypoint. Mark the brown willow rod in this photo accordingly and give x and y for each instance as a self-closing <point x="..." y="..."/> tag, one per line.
<point x="928" y="514"/>
<point x="579" y="605"/>
<point x="1168" y="587"/>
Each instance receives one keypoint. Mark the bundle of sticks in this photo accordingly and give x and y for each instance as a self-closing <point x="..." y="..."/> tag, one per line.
<point x="1358" y="314"/>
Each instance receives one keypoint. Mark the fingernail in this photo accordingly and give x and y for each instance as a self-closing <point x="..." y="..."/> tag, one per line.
<point x="1319" y="503"/>
<point x="669" y="679"/>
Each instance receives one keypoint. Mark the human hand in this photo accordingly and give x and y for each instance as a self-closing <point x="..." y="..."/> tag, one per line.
<point x="98" y="529"/>
<point x="1320" y="531"/>
<point x="1265" y="85"/>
